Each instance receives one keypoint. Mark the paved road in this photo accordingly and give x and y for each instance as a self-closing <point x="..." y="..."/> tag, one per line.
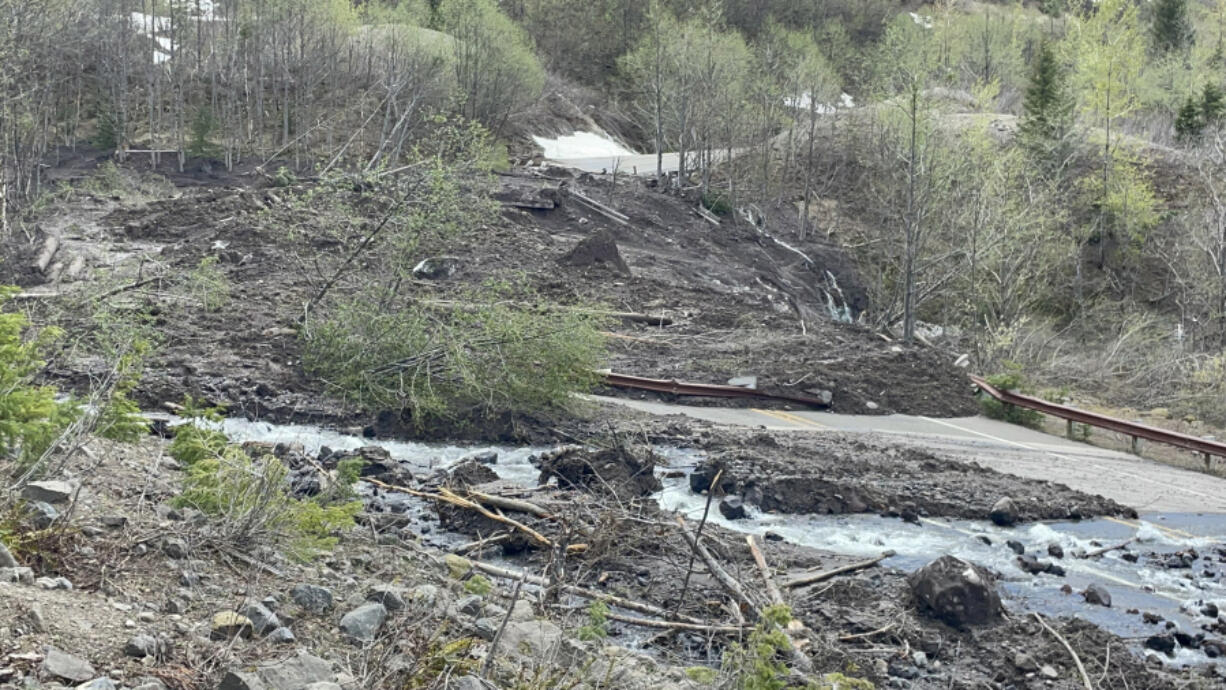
<point x="644" y="164"/>
<point x="1148" y="486"/>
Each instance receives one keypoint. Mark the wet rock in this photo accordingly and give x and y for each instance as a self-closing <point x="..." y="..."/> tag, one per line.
<point x="1015" y="546"/>
<point x="1214" y="649"/>
<point x="1129" y="556"/>
<point x="622" y="471"/>
<point x="1004" y="512"/>
<point x="364" y="622"/>
<point x="1152" y="618"/>
<point x="909" y="515"/>
<point x="1210" y="609"/>
<point x="702" y="476"/>
<point x="6" y="558"/>
<point x="227" y="625"/>
<point x="42" y="514"/>
<point x="1161" y="643"/>
<point x="1028" y="563"/>
<point x="312" y="598"/>
<point x="262" y="620"/>
<point x="1055" y="551"/>
<point x="48" y="492"/>
<point x="1097" y="594"/>
<point x="489" y="456"/>
<point x="294" y="673"/>
<point x="437" y="268"/>
<point x="472" y="473"/>
<point x="392" y="598"/>
<point x="66" y="666"/>
<point x="773" y="536"/>
<point x="732" y="508"/>
<point x="955" y="591"/>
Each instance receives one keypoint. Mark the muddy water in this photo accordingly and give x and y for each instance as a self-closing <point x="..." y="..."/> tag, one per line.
<point x="1175" y="594"/>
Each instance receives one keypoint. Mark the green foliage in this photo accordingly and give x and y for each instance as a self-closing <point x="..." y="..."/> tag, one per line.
<point x="1188" y="124"/>
<point x="1172" y="28"/>
<point x="597" y="626"/>
<point x="1047" y="109"/>
<point x="479" y="585"/>
<point x="197" y="440"/>
<point x="120" y="418"/>
<point x="248" y="495"/>
<point x="756" y="665"/>
<point x="701" y="675"/>
<point x="30" y="416"/>
<point x="1212" y="104"/>
<point x="1011" y="380"/>
<point x="481" y="360"/>
<point x="208" y="284"/>
<point x="717" y="202"/>
<point x="204" y="125"/>
<point x="496" y="68"/>
<point x="284" y="177"/>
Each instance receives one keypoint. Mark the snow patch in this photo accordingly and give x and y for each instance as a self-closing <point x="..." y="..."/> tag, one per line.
<point x="581" y="145"/>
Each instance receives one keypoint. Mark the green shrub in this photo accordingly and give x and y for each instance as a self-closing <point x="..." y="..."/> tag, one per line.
<point x="756" y="665"/>
<point x="249" y="498"/>
<point x="30" y="417"/>
<point x="478" y="584"/>
<point x="995" y="409"/>
<point x="208" y="284"/>
<point x="204" y="125"/>
<point x="120" y="419"/>
<point x="717" y="203"/>
<point x="597" y="626"/>
<point x="194" y="441"/>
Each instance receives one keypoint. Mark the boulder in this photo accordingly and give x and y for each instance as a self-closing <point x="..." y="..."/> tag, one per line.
<point x="1015" y="546"/>
<point x="141" y="646"/>
<point x="228" y="624"/>
<point x="175" y="548"/>
<point x="312" y="598"/>
<point x="293" y="673"/>
<point x="364" y="622"/>
<point x="437" y="268"/>
<point x="1097" y="594"/>
<point x="1161" y="643"/>
<point x="391" y="597"/>
<point x="6" y="558"/>
<point x="42" y="514"/>
<point x="48" y="492"/>
<point x="1004" y="512"/>
<point x="263" y="621"/>
<point x="67" y="667"/>
<point x="534" y="639"/>
<point x="281" y="636"/>
<point x="732" y="507"/>
<point x="22" y="575"/>
<point x="489" y="456"/>
<point x="955" y="591"/>
<point x="1055" y="551"/>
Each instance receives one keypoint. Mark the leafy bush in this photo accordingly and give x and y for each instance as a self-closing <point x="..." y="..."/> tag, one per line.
<point x="597" y="626"/>
<point x="717" y="203"/>
<point x="995" y="409"/>
<point x="120" y="419"/>
<point x="195" y="441"/>
<point x="478" y="584"/>
<point x="756" y="664"/>
<point x="208" y="284"/>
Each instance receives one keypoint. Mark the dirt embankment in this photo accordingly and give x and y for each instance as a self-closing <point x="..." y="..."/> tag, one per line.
<point x="736" y="301"/>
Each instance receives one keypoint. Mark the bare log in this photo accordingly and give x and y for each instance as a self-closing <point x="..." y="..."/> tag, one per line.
<point x="510" y="504"/>
<point x="1105" y="549"/>
<point x="721" y="576"/>
<point x="827" y="574"/>
<point x="50" y="246"/>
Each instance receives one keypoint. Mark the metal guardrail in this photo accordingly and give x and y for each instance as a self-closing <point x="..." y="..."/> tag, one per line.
<point x="704" y="389"/>
<point x="1205" y="447"/>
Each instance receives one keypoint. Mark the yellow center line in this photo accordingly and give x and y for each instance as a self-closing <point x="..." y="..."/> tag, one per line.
<point x="794" y="419"/>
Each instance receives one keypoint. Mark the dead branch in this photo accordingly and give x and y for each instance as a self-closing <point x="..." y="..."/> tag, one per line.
<point x="448" y="496"/>
<point x="795" y="627"/>
<point x="827" y="574"/>
<point x="871" y="633"/>
<point x="685" y="584"/>
<point x="1085" y="677"/>
<point x="510" y="504"/>
<point x="1105" y="549"/>
<point x="628" y="604"/>
<point x="674" y="625"/>
<point x="489" y="656"/>
<point x="772" y="590"/>
<point x="481" y="543"/>
<point x="721" y="576"/>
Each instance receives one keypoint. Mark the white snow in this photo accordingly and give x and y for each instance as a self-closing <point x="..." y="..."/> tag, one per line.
<point x="581" y="145"/>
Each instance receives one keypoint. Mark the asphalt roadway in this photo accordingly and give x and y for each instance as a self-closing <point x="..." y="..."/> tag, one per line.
<point x="1147" y="486"/>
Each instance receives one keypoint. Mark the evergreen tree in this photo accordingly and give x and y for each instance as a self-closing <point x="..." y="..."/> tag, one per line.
<point x="1212" y="104"/>
<point x="1048" y="107"/>
<point x="1188" y="124"/>
<point x="1172" y="29"/>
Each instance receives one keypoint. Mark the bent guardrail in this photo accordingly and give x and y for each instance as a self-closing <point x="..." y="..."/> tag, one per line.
<point x="1205" y="447"/>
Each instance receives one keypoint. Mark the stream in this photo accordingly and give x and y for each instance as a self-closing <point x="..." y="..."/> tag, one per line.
<point x="1176" y="593"/>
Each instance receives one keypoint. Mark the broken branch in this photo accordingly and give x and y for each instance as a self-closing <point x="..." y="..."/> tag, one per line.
<point x="1085" y="677"/>
<point x="827" y="574"/>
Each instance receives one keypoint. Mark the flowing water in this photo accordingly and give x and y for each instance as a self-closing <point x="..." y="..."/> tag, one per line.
<point x="1175" y="594"/>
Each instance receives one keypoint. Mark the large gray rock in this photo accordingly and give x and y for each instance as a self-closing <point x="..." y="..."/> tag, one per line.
<point x="42" y="514"/>
<point x="66" y="666"/>
<point x="534" y="639"/>
<point x="1097" y="594"/>
<point x="262" y="620"/>
<point x="6" y="557"/>
<point x="732" y="508"/>
<point x="391" y="597"/>
<point x="293" y="673"/>
<point x="955" y="591"/>
<point x="1004" y="512"/>
<point x="363" y="623"/>
<point x="22" y="575"/>
<point x="48" y="492"/>
<point x="141" y="646"/>
<point x="312" y="598"/>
